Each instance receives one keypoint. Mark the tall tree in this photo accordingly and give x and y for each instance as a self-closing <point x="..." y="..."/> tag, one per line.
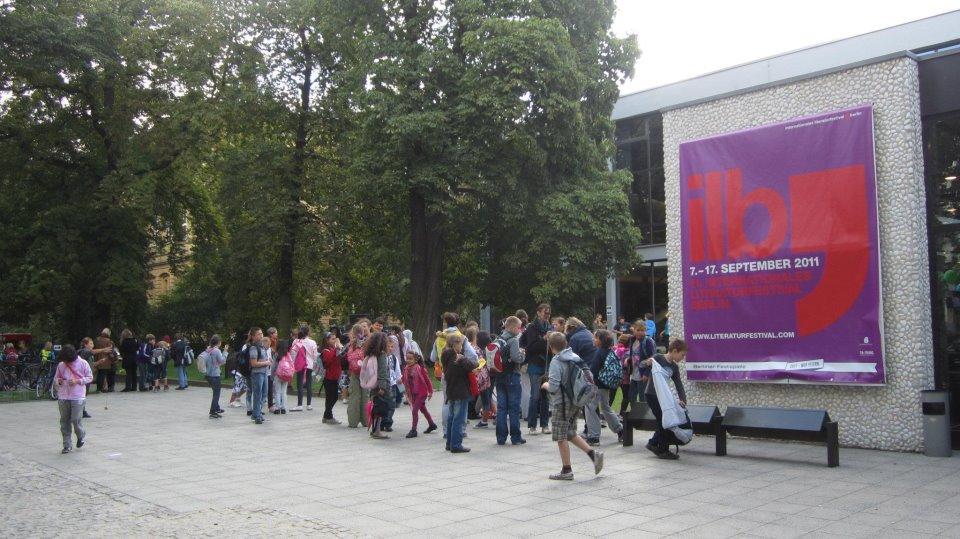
<point x="100" y="111"/>
<point x="489" y="122"/>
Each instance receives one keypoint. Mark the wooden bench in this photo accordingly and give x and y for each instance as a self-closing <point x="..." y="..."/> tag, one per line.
<point x="706" y="420"/>
<point x="795" y="424"/>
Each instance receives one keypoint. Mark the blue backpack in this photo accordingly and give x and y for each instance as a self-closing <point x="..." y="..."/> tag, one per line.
<point x="611" y="372"/>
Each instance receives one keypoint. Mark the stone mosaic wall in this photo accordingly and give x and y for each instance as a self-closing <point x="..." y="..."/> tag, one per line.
<point x="874" y="417"/>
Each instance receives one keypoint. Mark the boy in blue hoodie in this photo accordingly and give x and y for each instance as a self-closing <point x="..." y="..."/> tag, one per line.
<point x="563" y="411"/>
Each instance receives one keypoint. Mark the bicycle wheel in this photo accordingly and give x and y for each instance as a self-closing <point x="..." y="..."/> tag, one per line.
<point x="28" y="377"/>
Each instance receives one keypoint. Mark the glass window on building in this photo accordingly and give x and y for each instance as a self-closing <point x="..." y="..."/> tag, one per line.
<point x="942" y="169"/>
<point x="640" y="150"/>
<point x="645" y="291"/>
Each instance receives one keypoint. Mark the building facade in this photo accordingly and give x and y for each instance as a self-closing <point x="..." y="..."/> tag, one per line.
<point x="910" y="75"/>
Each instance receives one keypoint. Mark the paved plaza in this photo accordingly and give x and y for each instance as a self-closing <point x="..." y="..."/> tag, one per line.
<point x="155" y="465"/>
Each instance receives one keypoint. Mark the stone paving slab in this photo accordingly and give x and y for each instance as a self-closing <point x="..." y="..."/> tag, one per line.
<point x="155" y="465"/>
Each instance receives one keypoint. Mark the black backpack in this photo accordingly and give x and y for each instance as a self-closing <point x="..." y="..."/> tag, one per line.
<point x="243" y="361"/>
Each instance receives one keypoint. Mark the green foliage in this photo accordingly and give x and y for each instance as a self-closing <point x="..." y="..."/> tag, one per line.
<point x="303" y="158"/>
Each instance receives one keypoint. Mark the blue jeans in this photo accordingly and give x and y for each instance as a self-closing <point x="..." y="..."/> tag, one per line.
<point x="508" y="404"/>
<point x="214" y="382"/>
<point x="455" y="423"/>
<point x="143" y="375"/>
<point x="538" y="403"/>
<point x="182" y="376"/>
<point x="258" y="390"/>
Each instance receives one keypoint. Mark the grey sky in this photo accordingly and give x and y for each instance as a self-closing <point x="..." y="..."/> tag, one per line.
<point x="687" y="38"/>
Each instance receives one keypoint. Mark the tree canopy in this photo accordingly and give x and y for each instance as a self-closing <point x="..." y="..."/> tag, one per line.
<point x="303" y="158"/>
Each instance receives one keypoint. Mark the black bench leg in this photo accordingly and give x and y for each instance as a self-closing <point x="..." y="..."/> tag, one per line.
<point x="833" y="444"/>
<point x="720" y="436"/>
<point x="627" y="434"/>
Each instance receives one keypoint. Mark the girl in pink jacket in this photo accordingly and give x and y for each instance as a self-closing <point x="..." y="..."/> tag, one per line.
<point x="72" y="377"/>
<point x="419" y="390"/>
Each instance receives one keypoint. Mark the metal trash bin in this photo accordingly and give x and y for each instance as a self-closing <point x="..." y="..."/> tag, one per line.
<point x="936" y="423"/>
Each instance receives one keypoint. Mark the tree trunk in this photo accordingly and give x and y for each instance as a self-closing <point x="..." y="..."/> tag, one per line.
<point x="286" y="308"/>
<point x="426" y="271"/>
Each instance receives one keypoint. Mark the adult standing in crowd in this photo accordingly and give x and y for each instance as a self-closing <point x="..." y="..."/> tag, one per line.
<point x="105" y="361"/>
<point x="213" y="360"/>
<point x="356" y="396"/>
<point x="129" y="348"/>
<point x="533" y="341"/>
<point x="525" y="389"/>
<point x="72" y="377"/>
<point x="177" y="353"/>
<point x="331" y="378"/>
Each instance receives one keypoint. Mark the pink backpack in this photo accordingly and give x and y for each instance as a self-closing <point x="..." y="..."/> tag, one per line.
<point x="285" y="368"/>
<point x="300" y="357"/>
<point x="368" y="373"/>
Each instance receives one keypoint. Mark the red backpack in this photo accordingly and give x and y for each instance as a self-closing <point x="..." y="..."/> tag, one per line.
<point x="494" y="355"/>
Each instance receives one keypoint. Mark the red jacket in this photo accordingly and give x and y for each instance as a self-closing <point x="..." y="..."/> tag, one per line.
<point x="331" y="363"/>
<point x="416" y="381"/>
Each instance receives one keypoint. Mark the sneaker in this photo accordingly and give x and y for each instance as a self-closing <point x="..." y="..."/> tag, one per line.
<point x="66" y="450"/>
<point x="275" y="412"/>
<point x="620" y="436"/>
<point x="521" y="442"/>
<point x="258" y="421"/>
<point x="379" y="436"/>
<point x="594" y="442"/>
<point x="667" y="455"/>
<point x="80" y="443"/>
<point x="430" y="429"/>
<point x="309" y="407"/>
<point x="481" y="425"/>
<point x="86" y="415"/>
<point x="215" y="416"/>
<point x="181" y="388"/>
<point x="562" y="476"/>
<point x="283" y="411"/>
<point x="533" y="431"/>
<point x="331" y="421"/>
<point x="296" y="409"/>
<point x="652" y="448"/>
<point x="460" y="450"/>
<point x="221" y="411"/>
<point x="597" y="462"/>
<point x="412" y="434"/>
<point x="546" y="430"/>
<point x="250" y="413"/>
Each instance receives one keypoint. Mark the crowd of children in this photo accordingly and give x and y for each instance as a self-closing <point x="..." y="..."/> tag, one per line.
<point x="375" y="368"/>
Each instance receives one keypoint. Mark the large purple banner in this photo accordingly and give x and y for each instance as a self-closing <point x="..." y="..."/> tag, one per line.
<point x="781" y="272"/>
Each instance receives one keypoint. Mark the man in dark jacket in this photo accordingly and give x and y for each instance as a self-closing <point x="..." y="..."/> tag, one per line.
<point x="177" y="352"/>
<point x="534" y="342"/>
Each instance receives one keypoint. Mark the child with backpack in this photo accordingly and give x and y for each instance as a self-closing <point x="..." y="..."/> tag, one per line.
<point x="375" y="377"/>
<point x="239" y="383"/>
<point x="419" y="390"/>
<point x="561" y="385"/>
<point x="676" y="352"/>
<point x="159" y="357"/>
<point x="622" y="350"/>
<point x="282" y="374"/>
